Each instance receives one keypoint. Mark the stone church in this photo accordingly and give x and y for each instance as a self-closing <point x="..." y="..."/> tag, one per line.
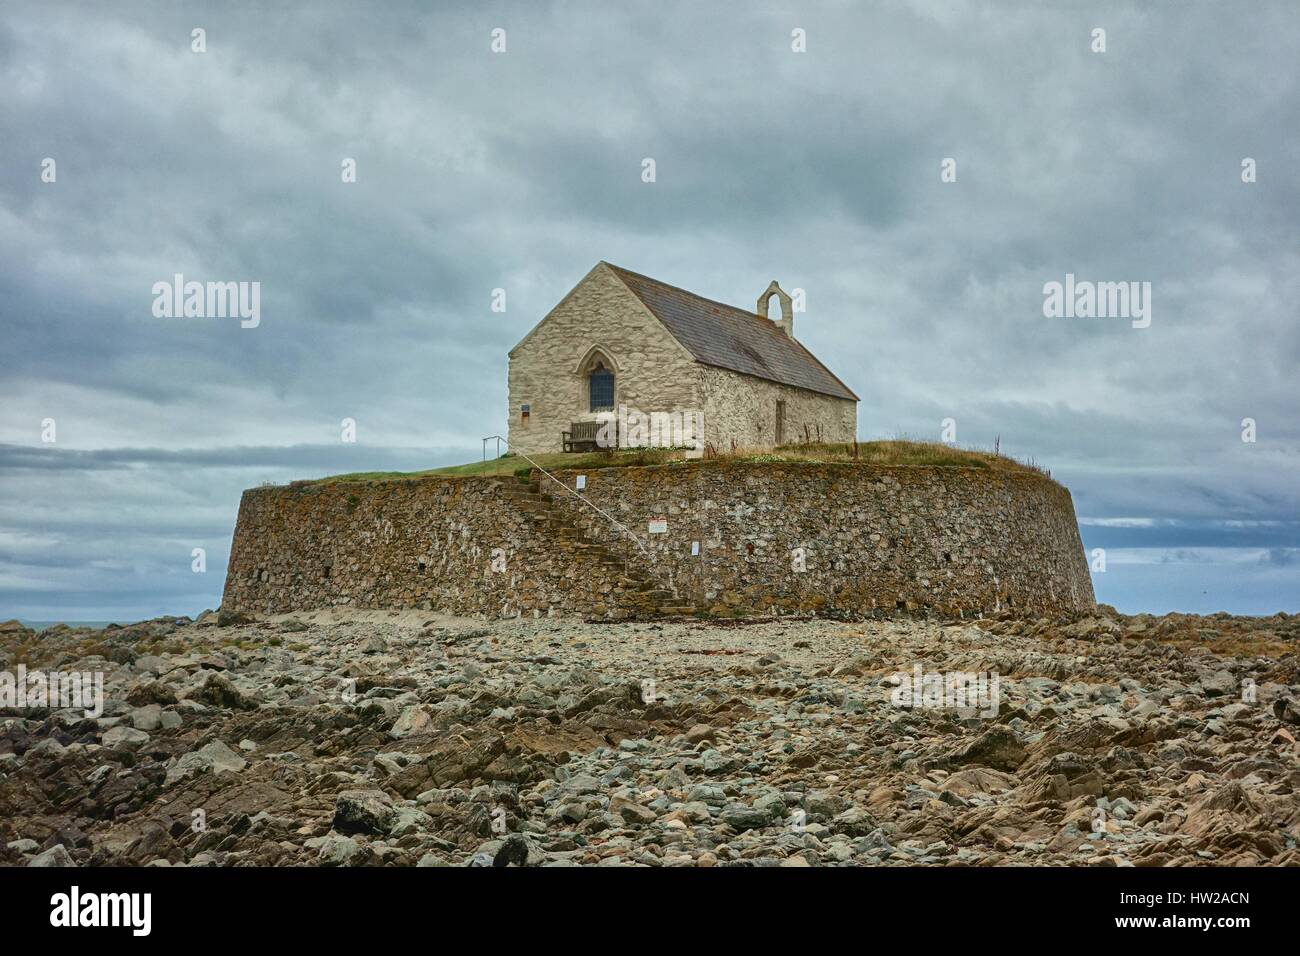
<point x="622" y="348"/>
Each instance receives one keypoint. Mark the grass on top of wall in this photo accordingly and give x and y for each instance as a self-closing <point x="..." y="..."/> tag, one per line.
<point x="898" y="452"/>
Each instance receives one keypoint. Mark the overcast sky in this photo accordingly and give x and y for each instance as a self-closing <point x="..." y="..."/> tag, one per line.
<point x="520" y="170"/>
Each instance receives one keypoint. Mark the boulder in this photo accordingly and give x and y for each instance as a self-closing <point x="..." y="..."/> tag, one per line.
<point x="364" y="811"/>
<point x="215" y="757"/>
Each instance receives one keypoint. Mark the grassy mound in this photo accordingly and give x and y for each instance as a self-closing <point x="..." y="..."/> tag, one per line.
<point x="890" y="453"/>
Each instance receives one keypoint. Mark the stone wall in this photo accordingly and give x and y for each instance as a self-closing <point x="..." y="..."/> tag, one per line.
<point x="421" y="543"/>
<point x="652" y="373"/>
<point x="950" y="540"/>
<point x="742" y="408"/>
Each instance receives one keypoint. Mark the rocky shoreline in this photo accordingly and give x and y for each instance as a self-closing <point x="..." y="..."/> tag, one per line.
<point x="405" y="738"/>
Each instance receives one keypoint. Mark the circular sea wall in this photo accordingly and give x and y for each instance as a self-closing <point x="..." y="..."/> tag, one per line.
<point x="705" y="537"/>
<point x="739" y="537"/>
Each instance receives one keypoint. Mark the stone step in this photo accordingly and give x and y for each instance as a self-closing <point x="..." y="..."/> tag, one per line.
<point x="643" y="596"/>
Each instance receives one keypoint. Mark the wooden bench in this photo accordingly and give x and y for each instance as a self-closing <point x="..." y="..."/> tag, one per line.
<point x="582" y="436"/>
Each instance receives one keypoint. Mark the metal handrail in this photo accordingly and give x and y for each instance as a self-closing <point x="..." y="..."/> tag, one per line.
<point x="610" y="518"/>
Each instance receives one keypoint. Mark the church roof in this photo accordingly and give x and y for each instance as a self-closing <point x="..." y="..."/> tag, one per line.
<point x="739" y="340"/>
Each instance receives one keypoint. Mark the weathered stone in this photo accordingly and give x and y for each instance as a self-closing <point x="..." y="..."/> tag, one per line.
<point x="55" y="856"/>
<point x="364" y="811"/>
<point x="127" y="738"/>
<point x="215" y="757"/>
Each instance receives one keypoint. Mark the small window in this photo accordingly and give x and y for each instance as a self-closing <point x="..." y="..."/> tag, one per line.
<point x="602" y="388"/>
<point x="523" y="412"/>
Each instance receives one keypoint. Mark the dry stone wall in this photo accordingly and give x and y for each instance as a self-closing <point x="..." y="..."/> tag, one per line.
<point x="770" y="537"/>
<point x="952" y="541"/>
<point x="742" y="409"/>
<point x="463" y="545"/>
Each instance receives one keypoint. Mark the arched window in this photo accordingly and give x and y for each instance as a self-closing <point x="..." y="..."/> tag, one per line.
<point x="602" y="388"/>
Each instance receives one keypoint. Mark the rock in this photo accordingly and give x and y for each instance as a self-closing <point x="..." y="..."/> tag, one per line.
<point x="740" y="817"/>
<point x="415" y="719"/>
<point x="855" y="821"/>
<point x="1220" y="684"/>
<point x="148" y="692"/>
<point x="973" y="780"/>
<point x="231" y="618"/>
<point x="1287" y="710"/>
<point x="998" y="747"/>
<point x="49" y="747"/>
<point x="364" y="811"/>
<point x="215" y="757"/>
<point x="56" y="855"/>
<point x="218" y="690"/>
<point x="530" y="740"/>
<point x="147" y="718"/>
<point x="700" y="733"/>
<point x="515" y="850"/>
<point x="630" y="811"/>
<point x="13" y="628"/>
<point x="338" y="850"/>
<point x="124" y="738"/>
<point x="409" y="820"/>
<point x="707" y="793"/>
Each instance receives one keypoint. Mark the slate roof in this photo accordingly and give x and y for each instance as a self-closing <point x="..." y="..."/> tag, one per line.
<point x="739" y="340"/>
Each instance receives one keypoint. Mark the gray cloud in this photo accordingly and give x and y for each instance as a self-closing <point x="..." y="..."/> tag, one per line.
<point x="521" y="170"/>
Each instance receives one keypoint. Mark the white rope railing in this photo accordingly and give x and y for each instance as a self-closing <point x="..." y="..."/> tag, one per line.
<point x="608" y="517"/>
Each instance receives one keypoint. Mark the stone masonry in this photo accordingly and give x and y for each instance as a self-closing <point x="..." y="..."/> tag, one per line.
<point x="742" y="409"/>
<point x="837" y="539"/>
<point x="944" y="539"/>
<point x="653" y="373"/>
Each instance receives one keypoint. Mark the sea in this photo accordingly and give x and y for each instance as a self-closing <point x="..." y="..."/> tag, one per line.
<point x="42" y="625"/>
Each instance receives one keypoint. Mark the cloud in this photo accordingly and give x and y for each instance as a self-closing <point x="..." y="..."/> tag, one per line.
<point x="521" y="170"/>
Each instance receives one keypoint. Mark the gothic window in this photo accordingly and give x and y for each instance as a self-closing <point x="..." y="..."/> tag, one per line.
<point x="602" y="388"/>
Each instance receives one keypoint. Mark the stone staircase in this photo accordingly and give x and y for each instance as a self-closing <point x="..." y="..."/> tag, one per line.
<point x="649" y="598"/>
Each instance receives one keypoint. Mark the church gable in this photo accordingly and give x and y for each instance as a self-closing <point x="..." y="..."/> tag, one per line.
<point x="597" y="350"/>
<point x="622" y="341"/>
